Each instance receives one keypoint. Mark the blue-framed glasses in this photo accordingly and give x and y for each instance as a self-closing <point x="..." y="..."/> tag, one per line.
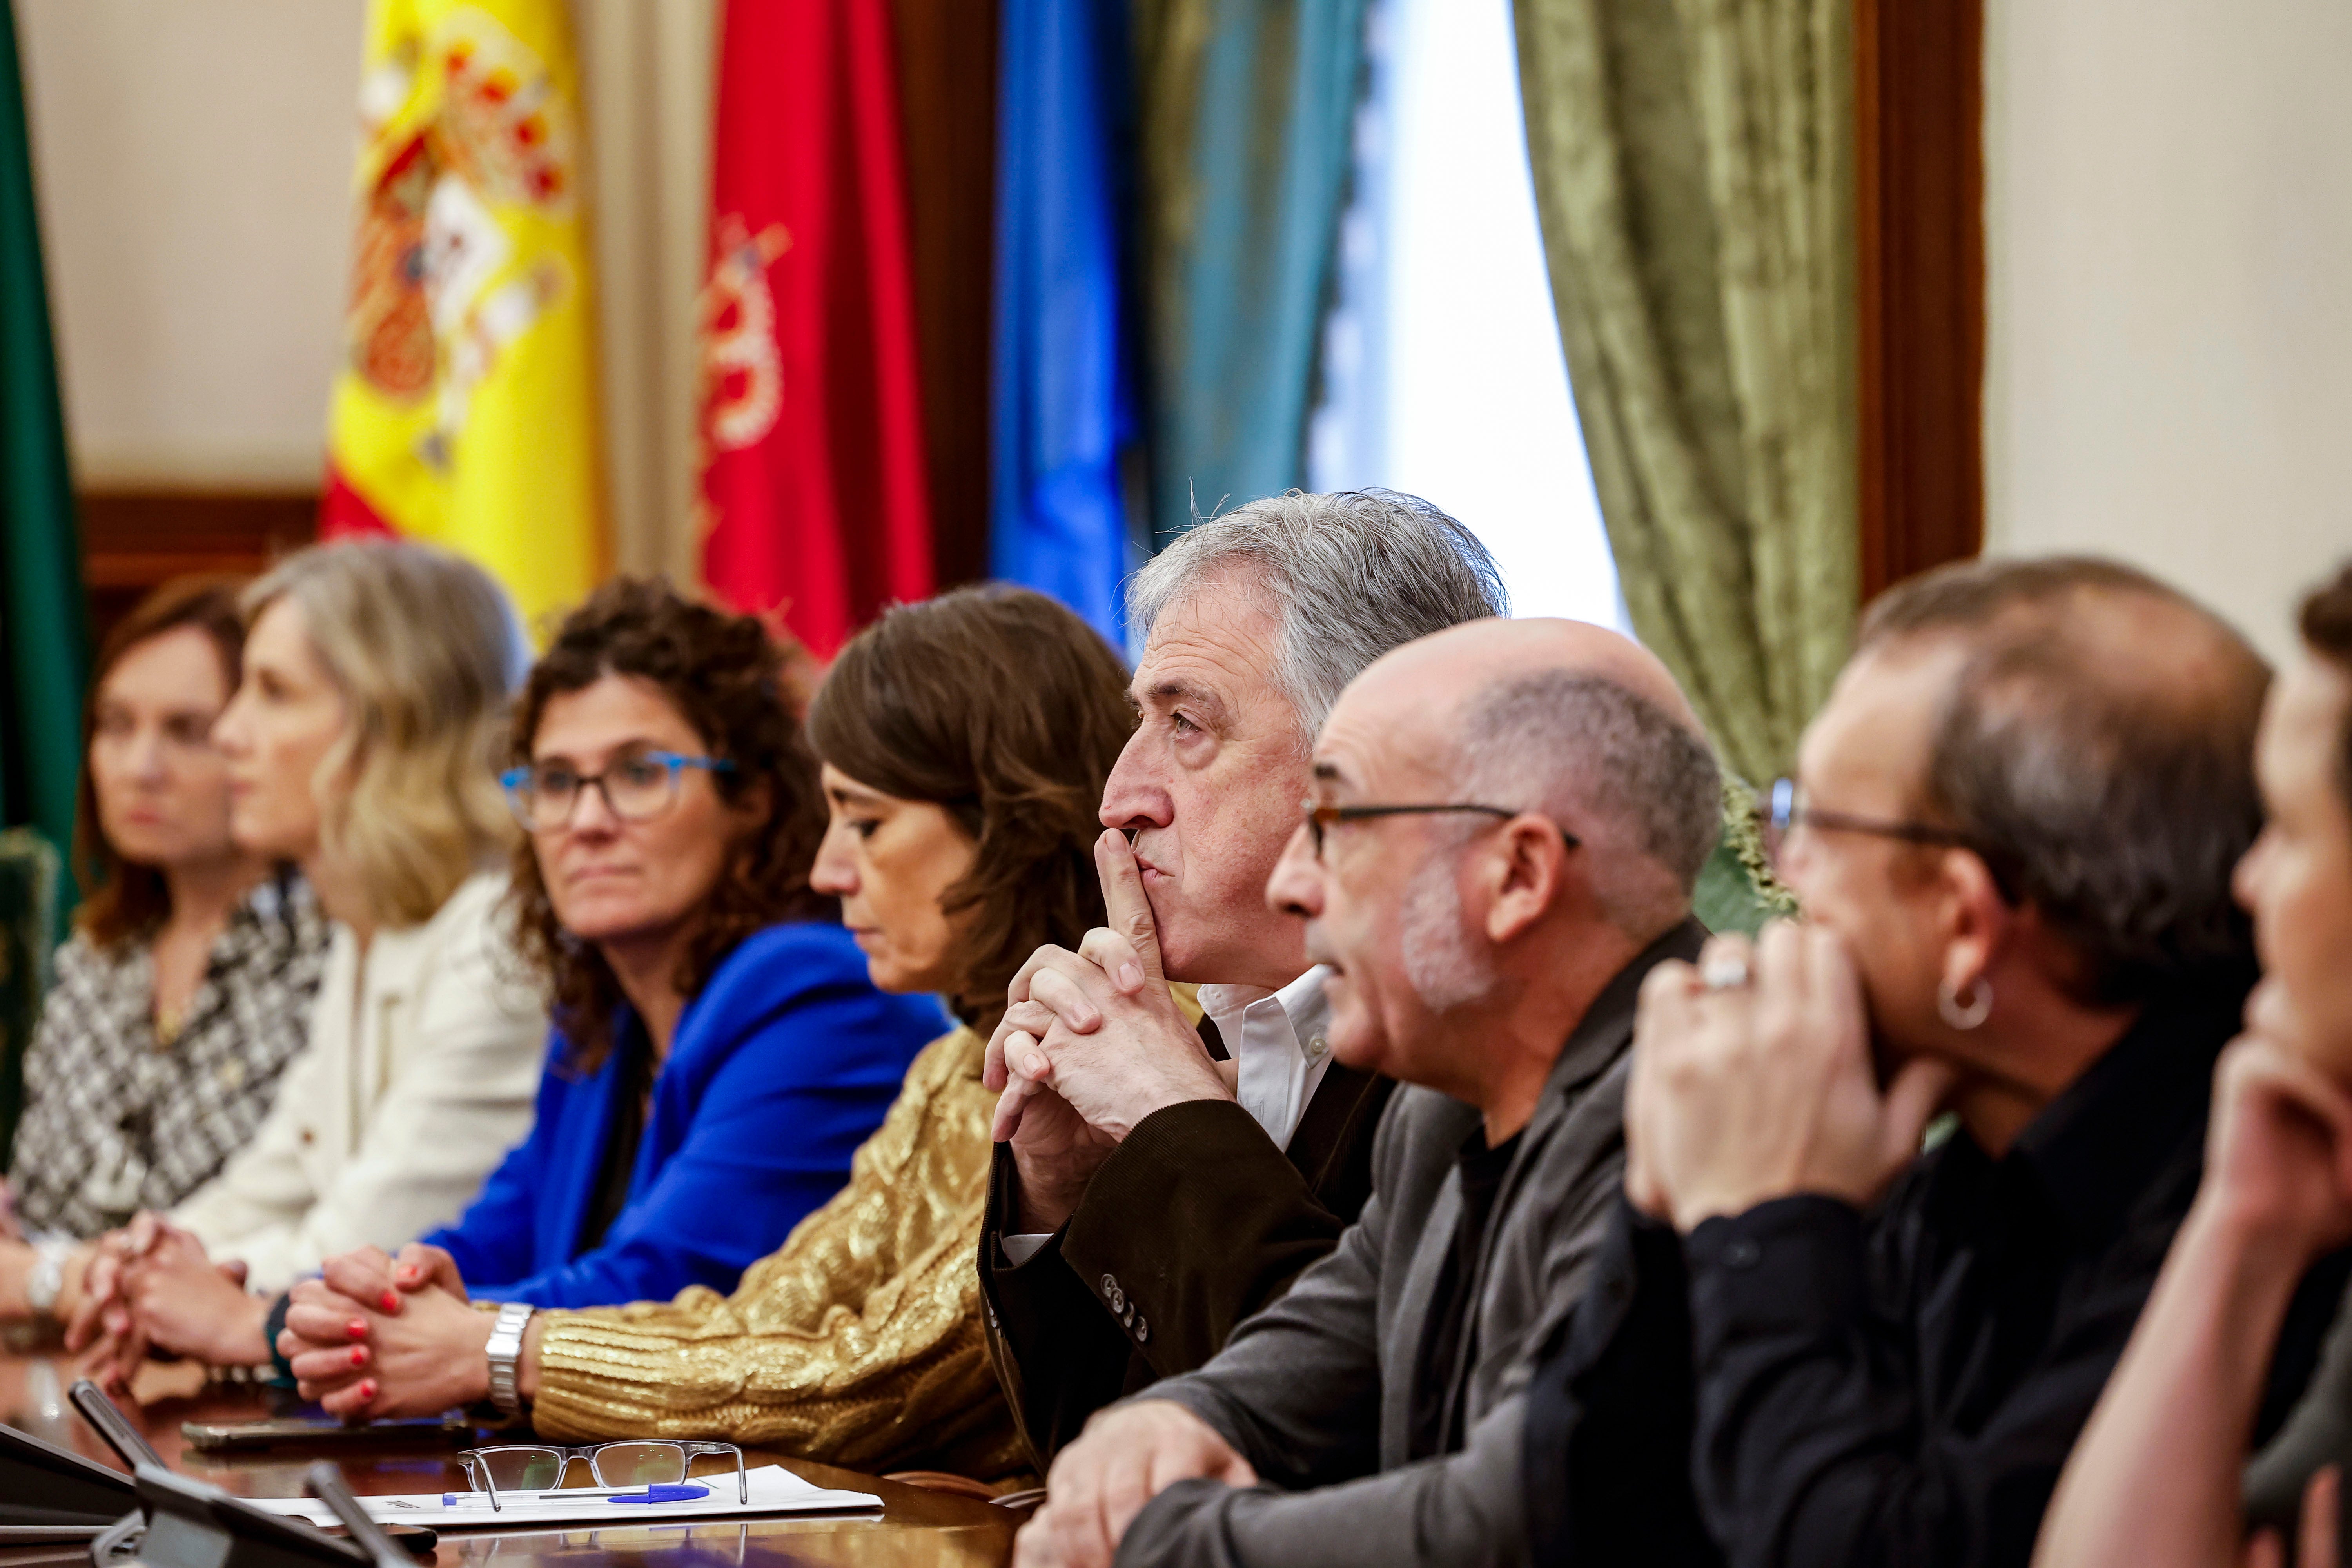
<point x="637" y="786"/>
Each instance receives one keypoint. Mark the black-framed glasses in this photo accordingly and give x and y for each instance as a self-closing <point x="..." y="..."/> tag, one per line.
<point x="1320" y="819"/>
<point x="637" y="786"/>
<point x="514" y="1467"/>
<point x="1788" y="812"/>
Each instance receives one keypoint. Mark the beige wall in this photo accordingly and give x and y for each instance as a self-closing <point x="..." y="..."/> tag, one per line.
<point x="2169" y="291"/>
<point x="194" y="160"/>
<point x="193" y="157"/>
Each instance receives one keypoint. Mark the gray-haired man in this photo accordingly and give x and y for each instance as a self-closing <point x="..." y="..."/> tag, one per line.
<point x="1506" y="823"/>
<point x="1148" y="1194"/>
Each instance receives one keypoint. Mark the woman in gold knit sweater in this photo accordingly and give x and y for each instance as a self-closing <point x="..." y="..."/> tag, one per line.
<point x="965" y="742"/>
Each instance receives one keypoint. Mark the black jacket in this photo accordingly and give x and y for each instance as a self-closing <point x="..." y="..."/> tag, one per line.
<point x="1806" y="1384"/>
<point x="1196" y="1220"/>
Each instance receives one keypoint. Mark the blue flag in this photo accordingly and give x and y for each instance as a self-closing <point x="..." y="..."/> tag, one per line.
<point x="1063" y="406"/>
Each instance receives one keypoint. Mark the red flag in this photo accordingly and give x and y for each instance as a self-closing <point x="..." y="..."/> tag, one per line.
<point x="813" y="474"/>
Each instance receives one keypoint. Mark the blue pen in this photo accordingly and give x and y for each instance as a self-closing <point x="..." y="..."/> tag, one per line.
<point x="684" y="1492"/>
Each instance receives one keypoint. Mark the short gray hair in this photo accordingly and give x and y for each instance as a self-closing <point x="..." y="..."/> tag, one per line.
<point x="1347" y="575"/>
<point x="1576" y="746"/>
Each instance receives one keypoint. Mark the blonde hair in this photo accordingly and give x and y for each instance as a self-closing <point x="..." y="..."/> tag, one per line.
<point x="423" y="648"/>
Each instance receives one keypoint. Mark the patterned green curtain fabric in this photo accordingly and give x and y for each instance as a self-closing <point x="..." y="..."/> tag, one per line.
<point x="1693" y="170"/>
<point x="1247" y="107"/>
<point x="1736" y="889"/>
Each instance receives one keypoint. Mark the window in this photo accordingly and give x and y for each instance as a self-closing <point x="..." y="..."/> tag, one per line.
<point x="1442" y="370"/>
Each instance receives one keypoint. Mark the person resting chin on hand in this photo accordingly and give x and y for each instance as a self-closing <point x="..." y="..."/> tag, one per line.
<point x="1764" y="1089"/>
<point x="2011" y="832"/>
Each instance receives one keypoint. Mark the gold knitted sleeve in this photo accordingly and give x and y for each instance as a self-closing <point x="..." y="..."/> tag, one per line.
<point x="857" y="1344"/>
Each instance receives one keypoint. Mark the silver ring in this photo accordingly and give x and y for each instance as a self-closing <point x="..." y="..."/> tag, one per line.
<point x="1724" y="972"/>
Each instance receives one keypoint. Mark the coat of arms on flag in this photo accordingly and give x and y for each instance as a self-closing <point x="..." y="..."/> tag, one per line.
<point x="465" y="413"/>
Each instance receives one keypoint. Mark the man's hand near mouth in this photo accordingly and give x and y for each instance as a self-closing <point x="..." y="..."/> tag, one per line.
<point x="1092" y="1043"/>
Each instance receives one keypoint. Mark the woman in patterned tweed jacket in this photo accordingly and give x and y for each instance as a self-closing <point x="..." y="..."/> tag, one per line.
<point x="186" y="989"/>
<point x="966" y="741"/>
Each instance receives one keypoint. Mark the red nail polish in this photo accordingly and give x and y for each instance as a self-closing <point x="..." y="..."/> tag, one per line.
<point x="389" y="1301"/>
<point x="356" y="1328"/>
<point x="359" y="1355"/>
<point x="367" y="1389"/>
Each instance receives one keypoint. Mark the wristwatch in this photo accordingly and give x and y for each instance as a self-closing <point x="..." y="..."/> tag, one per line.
<point x="48" y="1280"/>
<point x="506" y="1355"/>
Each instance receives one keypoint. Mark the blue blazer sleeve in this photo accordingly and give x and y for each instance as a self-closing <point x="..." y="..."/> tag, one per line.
<point x="780" y="1067"/>
<point x="493" y="1239"/>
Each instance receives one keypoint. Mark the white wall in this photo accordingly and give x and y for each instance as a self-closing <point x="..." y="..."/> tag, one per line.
<point x="194" y="164"/>
<point x="2169" y="291"/>
<point x="193" y="159"/>
<point x="1443" y="373"/>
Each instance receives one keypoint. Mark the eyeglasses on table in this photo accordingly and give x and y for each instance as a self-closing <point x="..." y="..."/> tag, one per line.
<point x="539" y="1467"/>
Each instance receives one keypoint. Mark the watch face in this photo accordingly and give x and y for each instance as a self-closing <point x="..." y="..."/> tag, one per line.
<point x="41" y="1286"/>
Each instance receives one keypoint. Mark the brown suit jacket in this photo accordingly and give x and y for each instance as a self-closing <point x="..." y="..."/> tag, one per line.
<point x="1195" y="1222"/>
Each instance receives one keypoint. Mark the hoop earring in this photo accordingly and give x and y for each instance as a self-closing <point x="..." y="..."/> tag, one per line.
<point x="1966" y="1015"/>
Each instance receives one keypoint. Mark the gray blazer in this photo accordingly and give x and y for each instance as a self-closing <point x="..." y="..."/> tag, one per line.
<point x="1317" y="1390"/>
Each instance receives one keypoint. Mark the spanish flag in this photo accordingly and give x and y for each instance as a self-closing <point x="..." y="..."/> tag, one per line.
<point x="464" y="412"/>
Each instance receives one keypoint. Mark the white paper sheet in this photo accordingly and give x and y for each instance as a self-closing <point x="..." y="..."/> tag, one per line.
<point x="774" y="1489"/>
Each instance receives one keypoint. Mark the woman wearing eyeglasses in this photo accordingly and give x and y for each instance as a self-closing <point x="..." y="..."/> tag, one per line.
<point x="718" y="1052"/>
<point x="965" y="741"/>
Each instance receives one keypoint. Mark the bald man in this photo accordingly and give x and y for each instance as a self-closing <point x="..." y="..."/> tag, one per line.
<point x="1506" y="823"/>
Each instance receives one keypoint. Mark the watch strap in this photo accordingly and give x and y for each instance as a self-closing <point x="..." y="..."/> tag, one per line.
<point x="46" y="1280"/>
<point x="505" y="1351"/>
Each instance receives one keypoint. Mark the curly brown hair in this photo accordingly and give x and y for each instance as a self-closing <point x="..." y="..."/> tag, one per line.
<point x="1006" y="710"/>
<point x="724" y="675"/>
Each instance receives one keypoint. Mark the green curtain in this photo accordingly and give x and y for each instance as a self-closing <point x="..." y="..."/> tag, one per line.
<point x="1736" y="889"/>
<point x="44" y="625"/>
<point x="1693" y="167"/>
<point x="1247" y="108"/>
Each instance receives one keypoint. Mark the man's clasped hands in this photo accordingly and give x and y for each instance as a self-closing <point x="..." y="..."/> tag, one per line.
<point x="1092" y="1043"/>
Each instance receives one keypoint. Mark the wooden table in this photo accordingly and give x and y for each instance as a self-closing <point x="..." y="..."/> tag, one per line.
<point x="916" y="1529"/>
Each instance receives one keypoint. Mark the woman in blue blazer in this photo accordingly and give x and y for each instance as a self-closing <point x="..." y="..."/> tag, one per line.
<point x="719" y="1052"/>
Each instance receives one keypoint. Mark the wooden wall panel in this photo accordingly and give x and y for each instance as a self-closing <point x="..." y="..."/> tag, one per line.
<point x="1919" y="180"/>
<point x="947" y="94"/>
<point x="134" y="540"/>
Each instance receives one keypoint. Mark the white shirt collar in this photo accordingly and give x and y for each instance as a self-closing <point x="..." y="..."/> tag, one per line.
<point x="1277" y="1043"/>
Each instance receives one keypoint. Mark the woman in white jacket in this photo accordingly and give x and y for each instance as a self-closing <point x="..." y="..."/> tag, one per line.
<point x="360" y="744"/>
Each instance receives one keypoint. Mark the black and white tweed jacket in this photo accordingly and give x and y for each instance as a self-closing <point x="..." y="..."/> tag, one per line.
<point x="114" y="1121"/>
